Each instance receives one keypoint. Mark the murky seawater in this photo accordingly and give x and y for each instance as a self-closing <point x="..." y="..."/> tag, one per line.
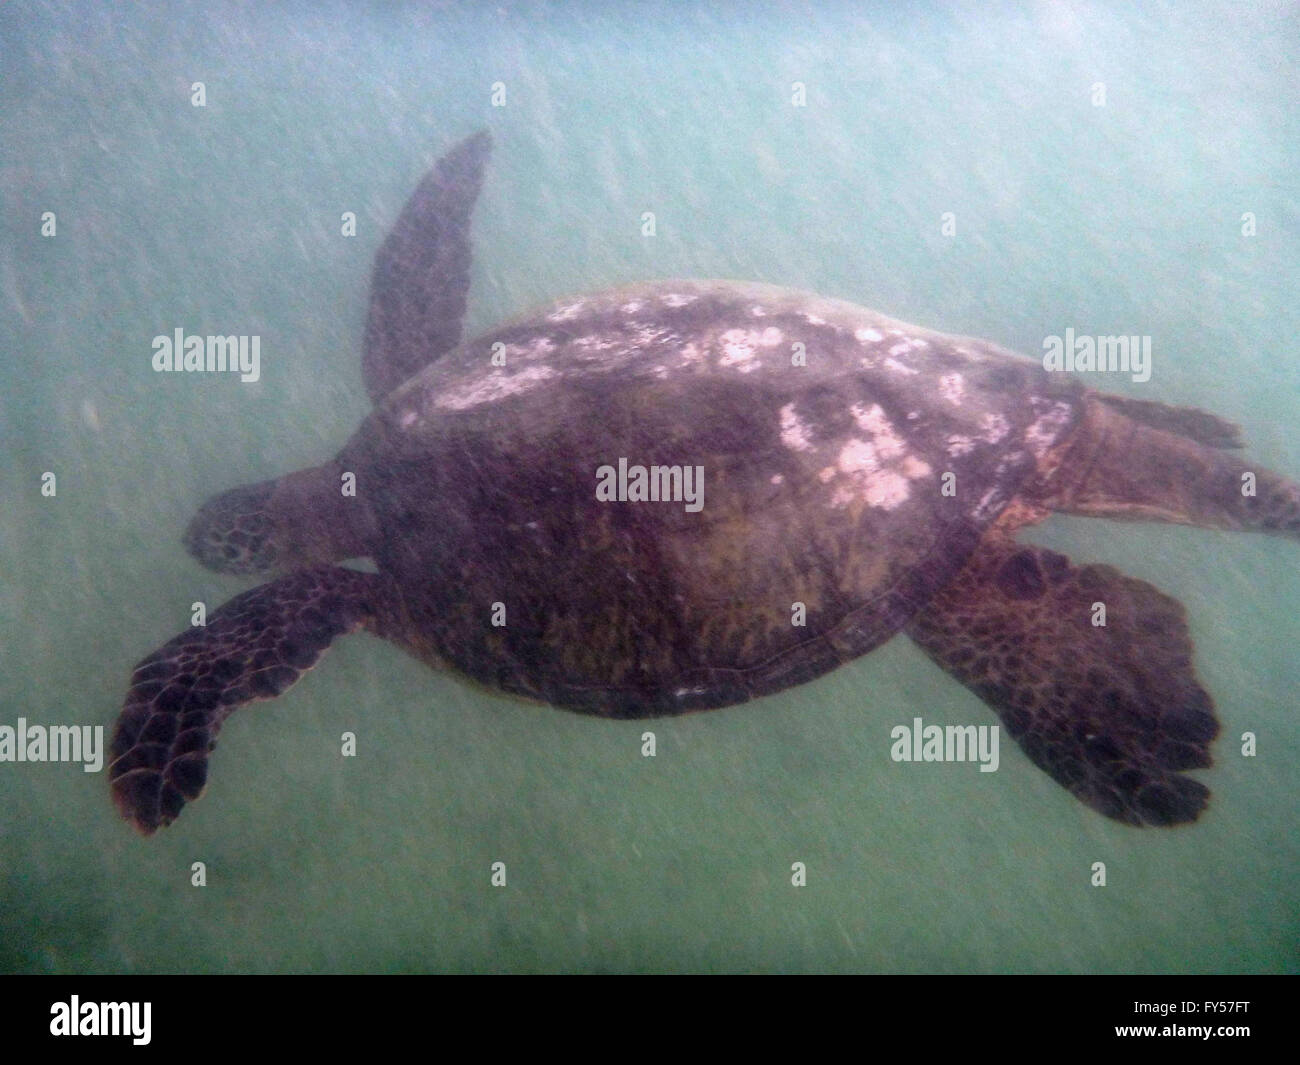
<point x="1122" y="218"/>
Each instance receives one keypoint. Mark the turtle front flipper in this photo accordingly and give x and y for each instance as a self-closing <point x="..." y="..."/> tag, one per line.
<point x="253" y="647"/>
<point x="1112" y="711"/>
<point x="420" y="281"/>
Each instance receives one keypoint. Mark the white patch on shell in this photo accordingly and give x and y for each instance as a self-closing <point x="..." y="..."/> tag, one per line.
<point x="632" y="306"/>
<point x="868" y="336"/>
<point x="408" y="419"/>
<point x="757" y="311"/>
<point x="995" y="428"/>
<point x="960" y="445"/>
<point x="876" y="472"/>
<point x="495" y="386"/>
<point x="857" y="456"/>
<point x="691" y="355"/>
<point x="917" y="344"/>
<point x="739" y="346"/>
<point x="596" y="342"/>
<point x="777" y="478"/>
<point x="873" y="420"/>
<point x="794" y="433"/>
<point x="812" y="319"/>
<point x="771" y="337"/>
<point x="952" y="387"/>
<point x="867" y="481"/>
<point x="567" y="312"/>
<point x="900" y="349"/>
<point x="898" y="367"/>
<point x="534" y="349"/>
<point x="677" y="299"/>
<point x="1042" y="433"/>
<point x="827" y="473"/>
<point x="914" y="467"/>
<point x="649" y="334"/>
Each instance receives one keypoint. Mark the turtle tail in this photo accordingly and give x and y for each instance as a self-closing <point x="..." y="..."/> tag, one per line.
<point x="300" y="520"/>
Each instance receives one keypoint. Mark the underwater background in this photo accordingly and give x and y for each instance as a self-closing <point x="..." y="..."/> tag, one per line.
<point x="1124" y="217"/>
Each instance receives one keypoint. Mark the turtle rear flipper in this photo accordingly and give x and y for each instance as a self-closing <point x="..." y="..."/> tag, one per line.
<point x="253" y="647"/>
<point x="1113" y="712"/>
<point x="1145" y="461"/>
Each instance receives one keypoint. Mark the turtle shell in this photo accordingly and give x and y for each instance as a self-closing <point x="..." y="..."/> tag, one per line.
<point x="835" y="468"/>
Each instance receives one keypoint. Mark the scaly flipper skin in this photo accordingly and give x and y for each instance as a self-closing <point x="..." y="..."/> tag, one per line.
<point x="254" y="647"/>
<point x="1114" y="713"/>
<point x="420" y="280"/>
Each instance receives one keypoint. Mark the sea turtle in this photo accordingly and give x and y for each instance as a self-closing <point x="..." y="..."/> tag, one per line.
<point x="687" y="494"/>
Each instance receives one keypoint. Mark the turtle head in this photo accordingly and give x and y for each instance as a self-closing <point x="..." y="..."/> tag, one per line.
<point x="234" y="532"/>
<point x="302" y="519"/>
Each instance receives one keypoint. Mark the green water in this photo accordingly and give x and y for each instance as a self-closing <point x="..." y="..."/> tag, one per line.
<point x="1123" y="218"/>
